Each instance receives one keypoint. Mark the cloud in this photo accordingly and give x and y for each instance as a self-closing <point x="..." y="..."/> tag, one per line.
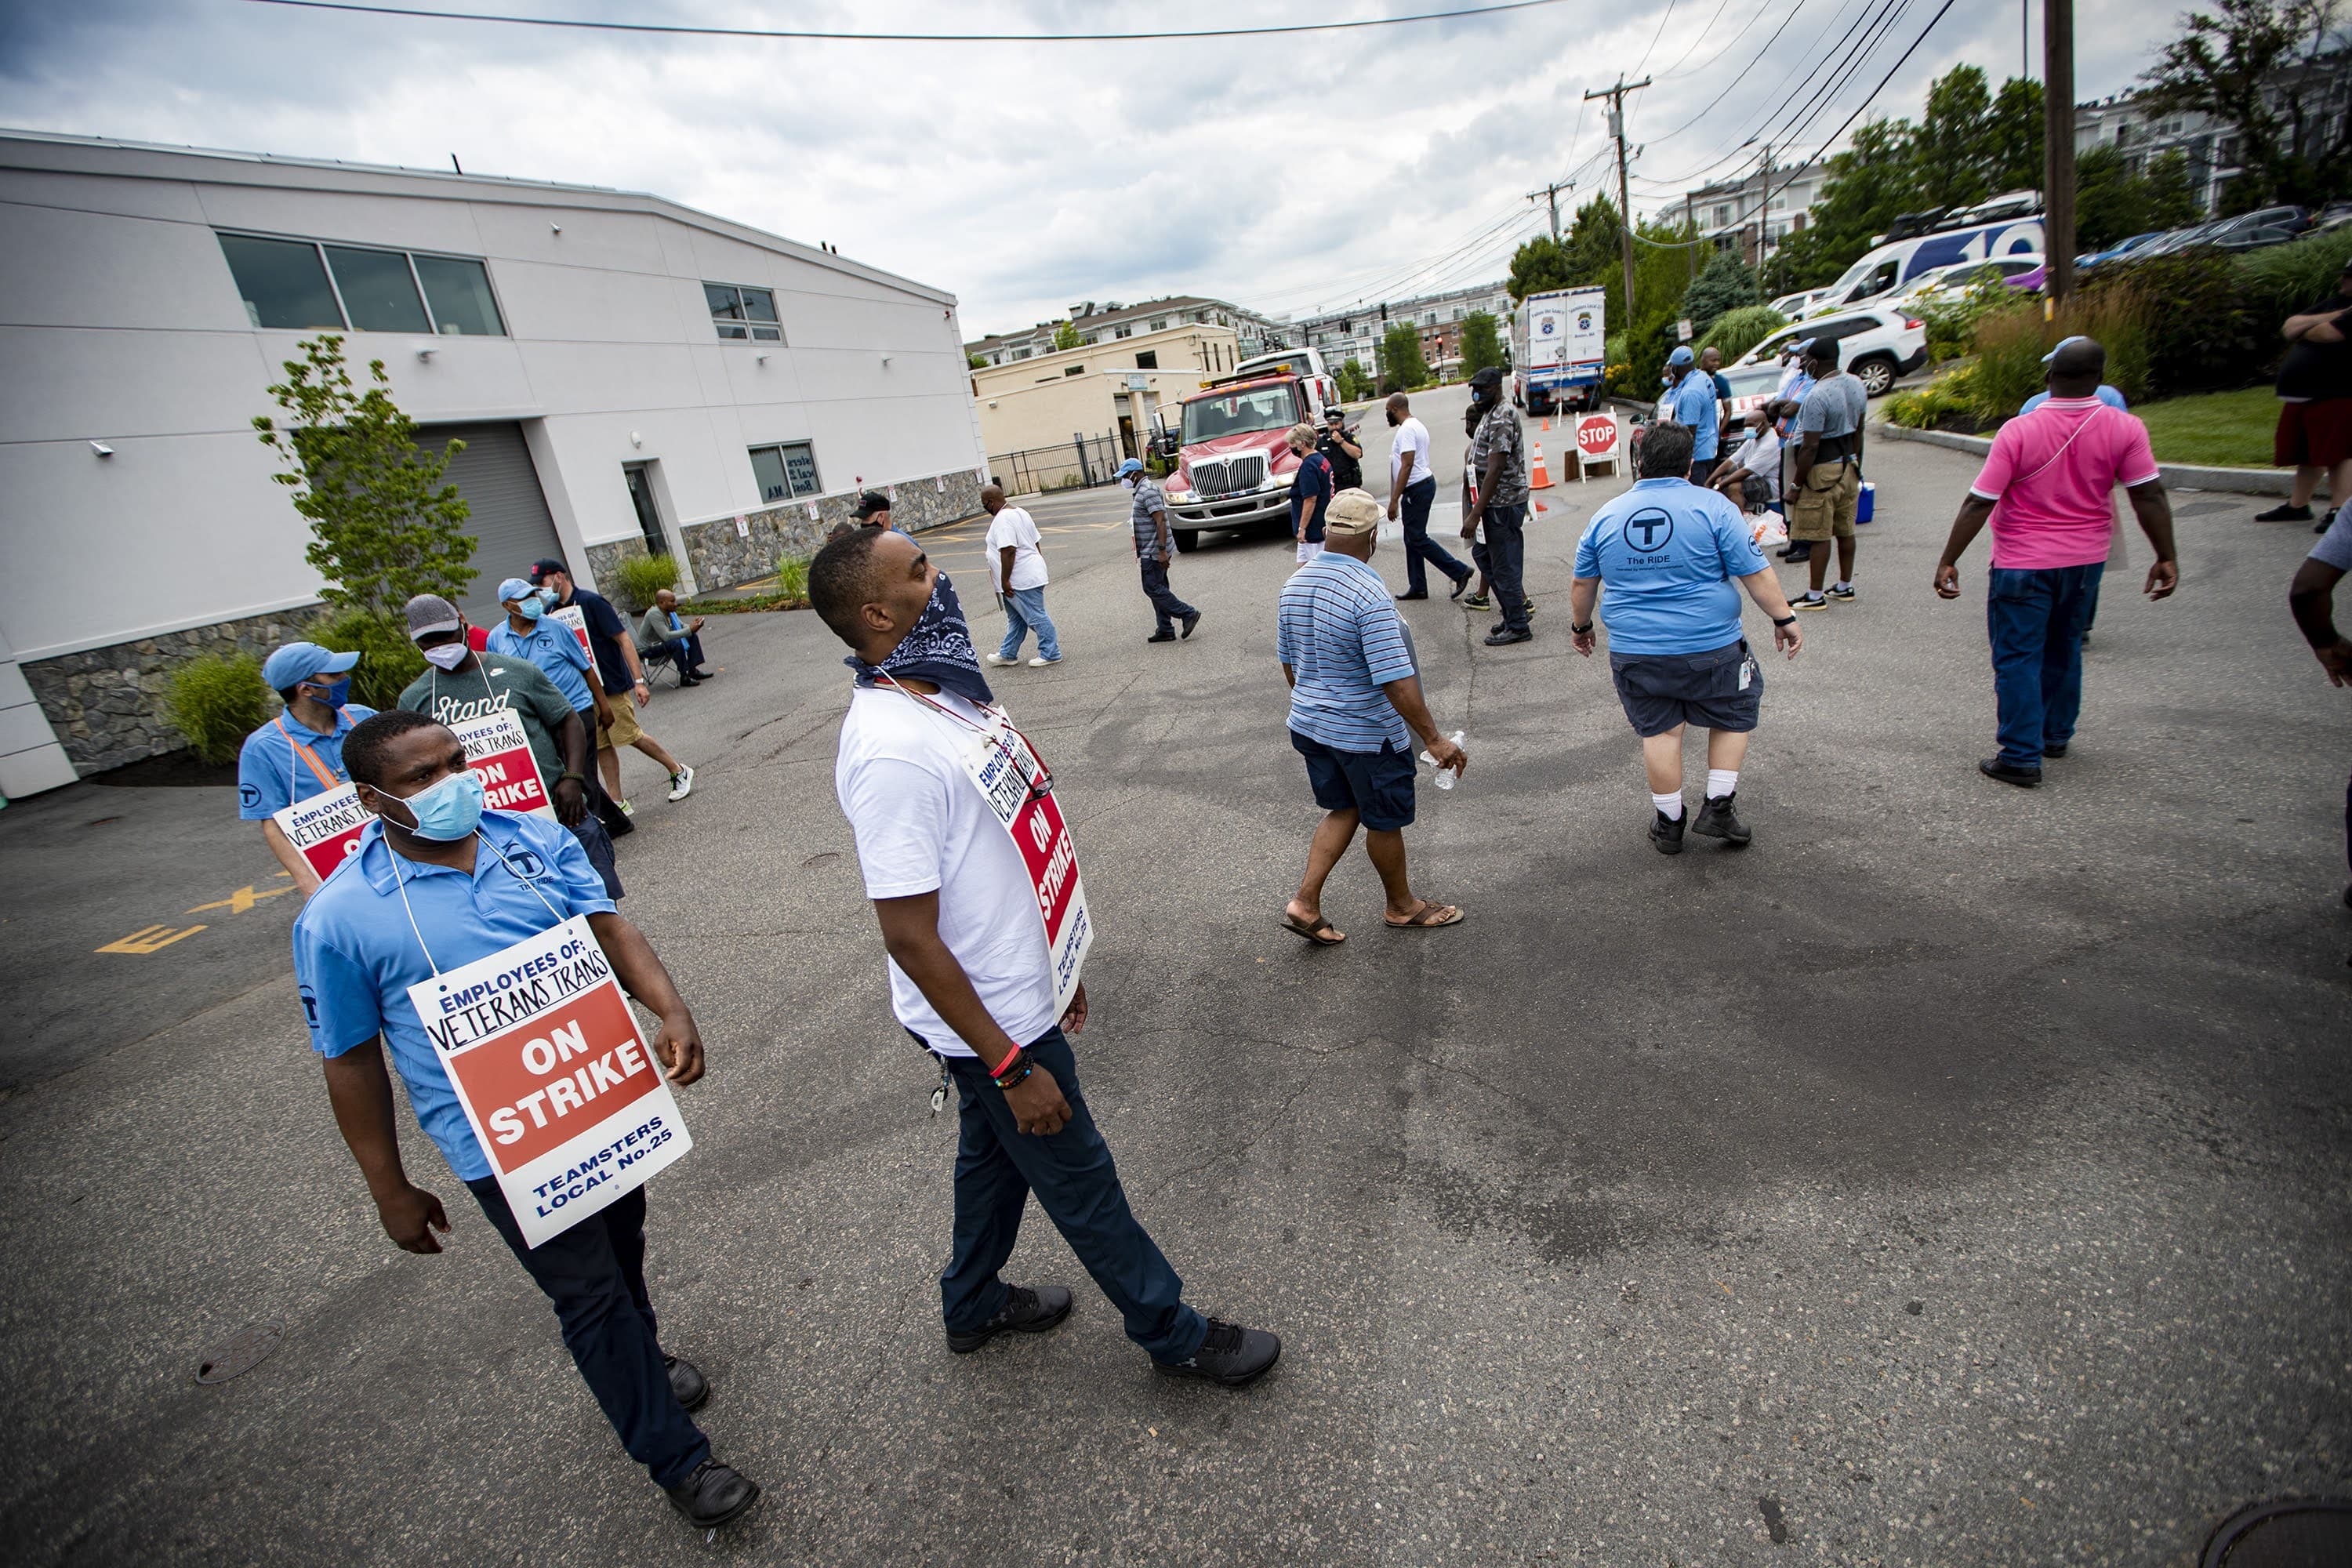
<point x="1282" y="173"/>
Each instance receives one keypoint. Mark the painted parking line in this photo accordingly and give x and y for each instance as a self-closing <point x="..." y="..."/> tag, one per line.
<point x="243" y="899"/>
<point x="154" y="938"/>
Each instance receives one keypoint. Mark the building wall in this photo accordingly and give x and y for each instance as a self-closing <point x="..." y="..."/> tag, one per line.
<point x="123" y="325"/>
<point x="1037" y="403"/>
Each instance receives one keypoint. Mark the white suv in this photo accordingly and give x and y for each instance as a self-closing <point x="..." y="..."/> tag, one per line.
<point x="1880" y="345"/>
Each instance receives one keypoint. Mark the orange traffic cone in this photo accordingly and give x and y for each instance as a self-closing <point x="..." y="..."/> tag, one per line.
<point x="1546" y="424"/>
<point x="1541" y="479"/>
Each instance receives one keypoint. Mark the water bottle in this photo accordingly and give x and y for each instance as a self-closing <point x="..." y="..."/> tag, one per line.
<point x="1446" y="778"/>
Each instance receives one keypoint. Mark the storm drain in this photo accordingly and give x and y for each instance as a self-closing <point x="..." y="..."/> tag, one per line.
<point x="2295" y="1534"/>
<point x="247" y="1348"/>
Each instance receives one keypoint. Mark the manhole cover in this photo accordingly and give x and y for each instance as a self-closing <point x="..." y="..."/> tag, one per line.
<point x="2296" y="1534"/>
<point x="245" y="1350"/>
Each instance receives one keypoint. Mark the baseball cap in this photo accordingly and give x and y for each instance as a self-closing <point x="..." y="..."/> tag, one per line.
<point x="513" y="588"/>
<point x="871" y="502"/>
<point x="430" y="613"/>
<point x="540" y="570"/>
<point x="298" y="661"/>
<point x="1353" y="514"/>
<point x="2078" y="338"/>
<point x="1131" y="467"/>
<point x="1490" y="376"/>
<point x="1681" y="356"/>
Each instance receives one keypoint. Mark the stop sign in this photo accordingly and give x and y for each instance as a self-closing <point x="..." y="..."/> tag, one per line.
<point x="1596" y="435"/>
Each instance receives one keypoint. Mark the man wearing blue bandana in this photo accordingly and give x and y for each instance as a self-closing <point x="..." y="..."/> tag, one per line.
<point x="972" y="980"/>
<point x="436" y="883"/>
<point x="299" y="754"/>
<point x="1147" y="518"/>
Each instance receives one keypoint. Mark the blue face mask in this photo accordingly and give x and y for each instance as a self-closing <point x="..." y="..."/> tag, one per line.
<point x="448" y="810"/>
<point x="332" y="693"/>
<point x="531" y="606"/>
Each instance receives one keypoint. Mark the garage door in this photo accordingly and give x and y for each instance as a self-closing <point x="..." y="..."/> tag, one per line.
<point x="508" y="510"/>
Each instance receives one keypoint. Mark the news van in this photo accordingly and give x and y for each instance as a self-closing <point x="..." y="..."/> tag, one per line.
<point x="1885" y="272"/>
<point x="1556" y="350"/>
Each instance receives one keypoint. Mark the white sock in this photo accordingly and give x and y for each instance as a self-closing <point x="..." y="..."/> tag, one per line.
<point x="1721" y="782"/>
<point x="1843" y="585"/>
<point x="1670" y="807"/>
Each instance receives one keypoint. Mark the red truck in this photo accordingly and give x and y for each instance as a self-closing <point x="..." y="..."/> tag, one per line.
<point x="1233" y="466"/>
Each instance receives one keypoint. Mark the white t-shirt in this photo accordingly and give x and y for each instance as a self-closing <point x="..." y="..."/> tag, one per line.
<point x="1760" y="455"/>
<point x="922" y="826"/>
<point x="1014" y="527"/>
<point x="1410" y="446"/>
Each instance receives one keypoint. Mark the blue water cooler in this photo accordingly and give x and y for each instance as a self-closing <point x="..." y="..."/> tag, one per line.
<point x="1868" y="505"/>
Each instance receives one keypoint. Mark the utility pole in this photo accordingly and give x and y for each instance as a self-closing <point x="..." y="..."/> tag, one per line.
<point x="2058" y="148"/>
<point x="1616" y="97"/>
<point x="1552" y="195"/>
<point x="1763" y="221"/>
<point x="1691" y="223"/>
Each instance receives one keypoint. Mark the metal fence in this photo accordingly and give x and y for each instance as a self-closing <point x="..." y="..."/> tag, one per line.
<point x="1075" y="464"/>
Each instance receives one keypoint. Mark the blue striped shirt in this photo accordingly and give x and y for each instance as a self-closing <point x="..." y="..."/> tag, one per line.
<point x="1147" y="501"/>
<point x="1340" y="634"/>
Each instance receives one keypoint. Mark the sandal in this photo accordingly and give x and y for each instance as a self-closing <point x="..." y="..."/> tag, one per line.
<point x="1314" y="933"/>
<point x="1428" y="916"/>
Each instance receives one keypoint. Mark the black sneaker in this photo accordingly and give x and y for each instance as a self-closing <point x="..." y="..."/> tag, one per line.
<point x="1506" y="636"/>
<point x="1810" y="602"/>
<point x="1717" y="819"/>
<point x="1797" y="554"/>
<point x="1025" y="1311"/>
<point x="1407" y="598"/>
<point x="712" y="1495"/>
<point x="2325" y="520"/>
<point x="1477" y="602"/>
<point x="1666" y="832"/>
<point x="1161" y="637"/>
<point x="2009" y="772"/>
<point x="691" y="1387"/>
<point x="1845" y="595"/>
<point x="1191" y="621"/>
<point x="1231" y="1356"/>
<point x="2057" y="751"/>
<point x="2289" y="512"/>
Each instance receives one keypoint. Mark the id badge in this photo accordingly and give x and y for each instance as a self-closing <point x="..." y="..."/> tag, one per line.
<point x="1746" y="673"/>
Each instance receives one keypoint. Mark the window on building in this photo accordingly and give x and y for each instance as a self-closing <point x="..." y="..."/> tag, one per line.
<point x="743" y="314"/>
<point x="1023" y="353"/>
<point x="1070" y="370"/>
<point x="786" y="472"/>
<point x="301" y="283"/>
<point x="1722" y="216"/>
<point x="1123" y="332"/>
<point x="1146" y="359"/>
<point x="1161" y="325"/>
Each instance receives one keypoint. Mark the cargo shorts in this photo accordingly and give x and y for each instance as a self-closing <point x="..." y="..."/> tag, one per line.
<point x="1824" y="505"/>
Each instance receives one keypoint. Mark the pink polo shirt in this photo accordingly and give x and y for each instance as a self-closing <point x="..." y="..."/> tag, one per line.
<point x="2048" y="475"/>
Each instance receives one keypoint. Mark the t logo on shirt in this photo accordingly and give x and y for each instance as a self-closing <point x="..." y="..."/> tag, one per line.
<point x="1648" y="531"/>
<point x="527" y="864"/>
<point x="248" y="794"/>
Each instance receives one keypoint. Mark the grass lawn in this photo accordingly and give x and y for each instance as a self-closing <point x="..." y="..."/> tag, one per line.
<point x="2220" y="429"/>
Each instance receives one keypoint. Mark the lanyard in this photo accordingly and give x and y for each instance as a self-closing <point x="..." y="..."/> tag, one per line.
<point x="433" y="694"/>
<point x="402" y="887"/>
<point x="1040" y="783"/>
<point x="328" y="778"/>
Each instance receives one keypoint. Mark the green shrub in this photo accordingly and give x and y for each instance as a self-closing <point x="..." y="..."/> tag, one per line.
<point x="216" y="702"/>
<point x="2201" y="328"/>
<point x="2008" y="367"/>
<point x="1928" y="407"/>
<point x="2119" y="319"/>
<point x="388" y="660"/>
<point x="638" y="578"/>
<point x="791" y="577"/>
<point x="1737" y="331"/>
<point x="2283" y="279"/>
<point x="1951" y="317"/>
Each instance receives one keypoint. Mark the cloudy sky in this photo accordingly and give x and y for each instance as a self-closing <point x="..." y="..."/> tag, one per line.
<point x="1290" y="173"/>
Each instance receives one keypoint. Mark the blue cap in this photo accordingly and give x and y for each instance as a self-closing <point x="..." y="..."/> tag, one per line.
<point x="2053" y="353"/>
<point x="515" y="588"/>
<point x="1682" y="356"/>
<point x="298" y="661"/>
<point x="1131" y="467"/>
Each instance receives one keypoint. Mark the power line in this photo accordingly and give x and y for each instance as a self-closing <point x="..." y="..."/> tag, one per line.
<point x="1787" y="102"/>
<point x="584" y="24"/>
<point x="1752" y="61"/>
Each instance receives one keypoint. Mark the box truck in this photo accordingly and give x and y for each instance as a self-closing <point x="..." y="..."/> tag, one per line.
<point x="1556" y="350"/>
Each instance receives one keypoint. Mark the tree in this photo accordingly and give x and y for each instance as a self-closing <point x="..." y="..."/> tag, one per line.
<point x="1726" y="283"/>
<point x="2171" y="199"/>
<point x="1355" y="383"/>
<point x="386" y="524"/>
<point x="1066" y="336"/>
<point x="1537" y="267"/>
<point x="1946" y="152"/>
<point x="2113" y="203"/>
<point x="976" y="362"/>
<point x="2013" y="143"/>
<point x="1482" y="345"/>
<point x="1403" y="368"/>
<point x="2271" y="72"/>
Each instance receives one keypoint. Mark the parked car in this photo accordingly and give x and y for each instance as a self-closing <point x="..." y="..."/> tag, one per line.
<point x="1945" y="283"/>
<point x="2332" y="217"/>
<point x="1880" y="345"/>
<point x="2179" y="240"/>
<point x="1880" y="273"/>
<point x="2117" y="251"/>
<point x="1793" y="305"/>
<point x="1234" y="469"/>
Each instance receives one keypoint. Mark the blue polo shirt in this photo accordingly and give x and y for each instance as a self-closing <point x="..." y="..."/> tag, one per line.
<point x="1691" y="402"/>
<point x="551" y="645"/>
<point x="1341" y="634"/>
<point x="1313" y="478"/>
<point x="1665" y="552"/>
<point x="2107" y="394"/>
<point x="355" y="956"/>
<point x="272" y="776"/>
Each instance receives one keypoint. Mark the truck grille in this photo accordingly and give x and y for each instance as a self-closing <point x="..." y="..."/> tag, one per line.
<point x="1228" y="476"/>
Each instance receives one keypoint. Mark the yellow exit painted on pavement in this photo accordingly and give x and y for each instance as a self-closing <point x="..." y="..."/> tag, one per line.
<point x="243" y="899"/>
<point x="154" y="938"/>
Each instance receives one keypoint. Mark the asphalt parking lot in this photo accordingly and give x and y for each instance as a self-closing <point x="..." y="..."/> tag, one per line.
<point x="1955" y="1176"/>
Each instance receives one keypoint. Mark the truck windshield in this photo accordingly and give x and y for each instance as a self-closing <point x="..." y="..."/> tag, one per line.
<point x="1281" y="364"/>
<point x="1238" y="413"/>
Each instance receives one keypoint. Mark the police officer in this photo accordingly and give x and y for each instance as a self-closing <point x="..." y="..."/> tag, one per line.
<point x="436" y="883"/>
<point x="299" y="754"/>
<point x="1341" y="450"/>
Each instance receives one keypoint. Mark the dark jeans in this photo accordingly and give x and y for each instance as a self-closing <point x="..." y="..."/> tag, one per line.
<point x="1420" y="551"/>
<point x="1164" y="604"/>
<point x="1507" y="549"/>
<point x="2035" y="619"/>
<point x="595" y="1274"/>
<point x="685" y="652"/>
<point x="599" y="845"/>
<point x="998" y="1166"/>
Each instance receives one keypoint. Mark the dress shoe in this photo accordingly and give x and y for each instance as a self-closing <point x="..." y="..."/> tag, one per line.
<point x="2009" y="772"/>
<point x="690" y="1387"/>
<point x="1505" y="638"/>
<point x="712" y="1495"/>
<point x="1191" y="621"/>
<point x="1161" y="637"/>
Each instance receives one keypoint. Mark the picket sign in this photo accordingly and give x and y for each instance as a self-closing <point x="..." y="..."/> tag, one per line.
<point x="572" y="616"/>
<point x="500" y="752"/>
<point x="557" y="1080"/>
<point x="325" y="828"/>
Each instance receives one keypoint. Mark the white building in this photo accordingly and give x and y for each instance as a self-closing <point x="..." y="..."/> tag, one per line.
<point x="1355" y="334"/>
<point x="1750" y="216"/>
<point x="1114" y="323"/>
<point x="627" y="372"/>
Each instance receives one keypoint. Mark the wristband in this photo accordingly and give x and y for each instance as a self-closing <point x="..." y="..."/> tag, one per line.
<point x="1790" y="622"/>
<point x="575" y="778"/>
<point x="1580" y="631"/>
<point x="998" y="1070"/>
<point x="1020" y="1075"/>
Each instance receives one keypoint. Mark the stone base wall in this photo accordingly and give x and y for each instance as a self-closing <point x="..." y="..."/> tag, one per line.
<point x="106" y="704"/>
<point x="724" y="555"/>
<point x="604" y="559"/>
